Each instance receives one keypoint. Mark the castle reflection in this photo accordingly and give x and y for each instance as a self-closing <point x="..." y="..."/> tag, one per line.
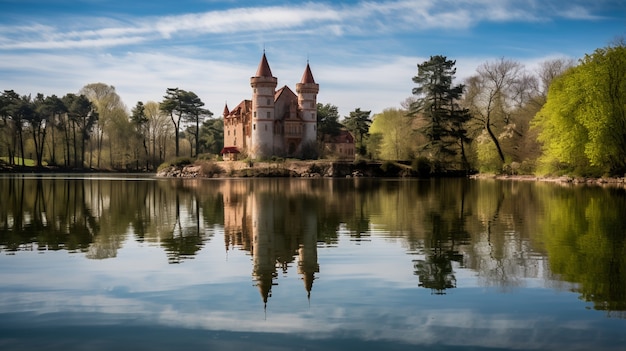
<point x="274" y="228"/>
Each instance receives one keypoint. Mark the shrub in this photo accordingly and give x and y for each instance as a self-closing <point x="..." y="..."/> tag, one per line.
<point x="209" y="169"/>
<point x="422" y="166"/>
<point x="181" y="161"/>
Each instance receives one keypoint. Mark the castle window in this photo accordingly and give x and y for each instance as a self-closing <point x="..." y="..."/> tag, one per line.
<point x="254" y="114"/>
<point x="254" y="126"/>
<point x="269" y="114"/>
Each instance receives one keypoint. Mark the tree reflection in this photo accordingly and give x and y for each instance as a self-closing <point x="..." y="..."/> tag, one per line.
<point x="585" y="236"/>
<point x="505" y="232"/>
<point x="444" y="229"/>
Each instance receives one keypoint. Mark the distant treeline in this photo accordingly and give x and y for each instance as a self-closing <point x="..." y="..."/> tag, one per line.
<point x="565" y="117"/>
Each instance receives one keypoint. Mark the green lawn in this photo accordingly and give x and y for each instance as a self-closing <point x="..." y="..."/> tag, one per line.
<point x="18" y="161"/>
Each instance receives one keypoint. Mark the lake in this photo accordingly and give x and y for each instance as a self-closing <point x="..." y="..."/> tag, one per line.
<point x="107" y="262"/>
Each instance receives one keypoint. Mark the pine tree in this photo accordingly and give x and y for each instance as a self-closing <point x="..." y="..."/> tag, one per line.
<point x="443" y="121"/>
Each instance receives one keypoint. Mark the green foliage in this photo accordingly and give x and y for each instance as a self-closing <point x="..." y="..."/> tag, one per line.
<point x="358" y="123"/>
<point x="184" y="106"/>
<point x="327" y="120"/>
<point x="487" y="155"/>
<point x="212" y="135"/>
<point x="392" y="135"/>
<point x="583" y="121"/>
<point x="437" y="104"/>
<point x="583" y="233"/>
<point x="182" y="161"/>
<point x="18" y="160"/>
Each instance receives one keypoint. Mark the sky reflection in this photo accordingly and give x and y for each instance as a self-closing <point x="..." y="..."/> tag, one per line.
<point x="264" y="268"/>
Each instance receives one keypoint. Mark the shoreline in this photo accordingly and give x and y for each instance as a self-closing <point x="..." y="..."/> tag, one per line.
<point x="564" y="180"/>
<point x="315" y="169"/>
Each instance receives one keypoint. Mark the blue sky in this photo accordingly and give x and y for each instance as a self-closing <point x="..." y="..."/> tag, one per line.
<point x="362" y="53"/>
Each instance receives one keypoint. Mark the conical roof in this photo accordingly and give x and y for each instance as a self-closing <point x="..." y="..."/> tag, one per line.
<point x="307" y="77"/>
<point x="264" y="68"/>
<point x="226" y="112"/>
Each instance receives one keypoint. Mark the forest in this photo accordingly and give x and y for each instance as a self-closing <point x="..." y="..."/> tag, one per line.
<point x="565" y="117"/>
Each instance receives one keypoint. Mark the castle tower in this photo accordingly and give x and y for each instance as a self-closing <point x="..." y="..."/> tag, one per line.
<point x="262" y="128"/>
<point x="307" y="91"/>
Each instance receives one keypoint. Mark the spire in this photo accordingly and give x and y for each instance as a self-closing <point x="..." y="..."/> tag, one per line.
<point x="307" y="77"/>
<point x="226" y="112"/>
<point x="264" y="68"/>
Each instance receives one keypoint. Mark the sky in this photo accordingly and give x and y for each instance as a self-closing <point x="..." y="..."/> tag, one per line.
<point x="363" y="54"/>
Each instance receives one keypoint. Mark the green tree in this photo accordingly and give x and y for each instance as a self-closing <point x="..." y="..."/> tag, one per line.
<point x="395" y="132"/>
<point x="82" y="116"/>
<point x="327" y="124"/>
<point x="358" y="123"/>
<point x="183" y="106"/>
<point x="139" y="120"/>
<point x="109" y="107"/>
<point x="212" y="135"/>
<point x="13" y="123"/>
<point x="194" y="113"/>
<point x="437" y="105"/>
<point x="582" y="124"/>
<point x="39" y="126"/>
<point x="172" y="105"/>
<point x="327" y="121"/>
<point x="54" y="108"/>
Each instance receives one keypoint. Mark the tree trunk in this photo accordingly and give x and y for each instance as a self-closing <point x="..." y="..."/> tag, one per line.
<point x="495" y="141"/>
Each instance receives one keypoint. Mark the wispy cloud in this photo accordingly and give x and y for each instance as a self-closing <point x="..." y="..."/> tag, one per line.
<point x="363" y="54"/>
<point x="360" y="18"/>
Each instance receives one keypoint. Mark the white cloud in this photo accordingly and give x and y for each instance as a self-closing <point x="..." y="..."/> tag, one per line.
<point x="354" y="56"/>
<point x="361" y="18"/>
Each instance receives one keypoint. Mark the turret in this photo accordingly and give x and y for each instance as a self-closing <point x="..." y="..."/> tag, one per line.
<point x="263" y="89"/>
<point x="307" y="91"/>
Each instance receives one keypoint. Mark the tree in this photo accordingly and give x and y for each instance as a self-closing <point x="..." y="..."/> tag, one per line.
<point x="358" y="123"/>
<point x="212" y="135"/>
<point x="494" y="95"/>
<point x="195" y="114"/>
<point x="437" y="104"/>
<point x="327" y="121"/>
<point x="82" y="116"/>
<point x="159" y="131"/>
<point x="172" y="106"/>
<point x="54" y="108"/>
<point x="109" y="107"/>
<point x="395" y="132"/>
<point x="139" y="121"/>
<point x="583" y="121"/>
<point x="10" y="104"/>
<point x="327" y="124"/>
<point x="39" y="126"/>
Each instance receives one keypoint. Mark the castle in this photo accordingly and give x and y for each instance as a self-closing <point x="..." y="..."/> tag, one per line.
<point x="274" y="122"/>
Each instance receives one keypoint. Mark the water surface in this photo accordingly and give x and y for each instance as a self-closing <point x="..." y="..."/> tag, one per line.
<point x="138" y="263"/>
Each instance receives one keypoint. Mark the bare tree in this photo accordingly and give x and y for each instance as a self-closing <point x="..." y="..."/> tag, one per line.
<point x="551" y="69"/>
<point x="159" y="130"/>
<point x="494" y="94"/>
